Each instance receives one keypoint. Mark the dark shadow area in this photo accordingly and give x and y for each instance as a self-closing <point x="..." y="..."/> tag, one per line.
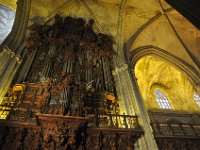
<point x="189" y="9"/>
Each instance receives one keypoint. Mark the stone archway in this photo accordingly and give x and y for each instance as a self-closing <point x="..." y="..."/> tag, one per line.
<point x="153" y="73"/>
<point x="192" y="74"/>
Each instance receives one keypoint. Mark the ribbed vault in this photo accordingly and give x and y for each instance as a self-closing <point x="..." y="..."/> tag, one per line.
<point x="152" y="73"/>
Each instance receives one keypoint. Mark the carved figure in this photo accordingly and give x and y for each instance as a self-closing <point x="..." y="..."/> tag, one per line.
<point x="48" y="143"/>
<point x="37" y="142"/>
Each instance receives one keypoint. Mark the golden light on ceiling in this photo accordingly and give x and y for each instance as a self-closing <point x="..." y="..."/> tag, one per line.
<point x="152" y="73"/>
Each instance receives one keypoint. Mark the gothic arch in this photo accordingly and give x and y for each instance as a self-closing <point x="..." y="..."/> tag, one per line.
<point x="191" y="73"/>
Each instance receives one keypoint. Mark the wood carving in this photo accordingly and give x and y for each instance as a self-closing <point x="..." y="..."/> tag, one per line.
<point x="68" y="100"/>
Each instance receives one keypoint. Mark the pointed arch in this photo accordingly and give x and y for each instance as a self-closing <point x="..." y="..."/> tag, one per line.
<point x="192" y="74"/>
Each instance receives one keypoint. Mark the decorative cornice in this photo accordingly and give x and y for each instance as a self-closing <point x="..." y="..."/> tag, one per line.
<point x="117" y="70"/>
<point x="191" y="72"/>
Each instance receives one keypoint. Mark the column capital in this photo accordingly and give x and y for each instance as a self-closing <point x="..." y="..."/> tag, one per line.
<point x="8" y="51"/>
<point x="119" y="69"/>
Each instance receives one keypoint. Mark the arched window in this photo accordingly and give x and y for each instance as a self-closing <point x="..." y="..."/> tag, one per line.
<point x="196" y="97"/>
<point x="162" y="100"/>
<point x="6" y="22"/>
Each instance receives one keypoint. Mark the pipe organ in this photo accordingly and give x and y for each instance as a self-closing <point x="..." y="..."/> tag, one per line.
<point x="66" y="90"/>
<point x="71" y="58"/>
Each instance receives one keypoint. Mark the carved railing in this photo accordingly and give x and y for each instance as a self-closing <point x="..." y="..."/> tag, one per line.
<point x="170" y="129"/>
<point x="114" y="121"/>
<point x="102" y="112"/>
<point x="4" y="111"/>
<point x="101" y="107"/>
<point x="6" y="106"/>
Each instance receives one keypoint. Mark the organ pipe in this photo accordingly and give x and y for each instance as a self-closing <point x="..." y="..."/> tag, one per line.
<point x="74" y="67"/>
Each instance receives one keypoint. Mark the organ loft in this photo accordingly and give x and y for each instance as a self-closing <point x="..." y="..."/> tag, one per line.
<point x="66" y="97"/>
<point x="99" y="75"/>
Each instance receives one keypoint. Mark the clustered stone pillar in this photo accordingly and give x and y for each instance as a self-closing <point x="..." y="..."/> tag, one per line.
<point x="9" y="64"/>
<point x="124" y="90"/>
<point x="13" y="46"/>
<point x="131" y="102"/>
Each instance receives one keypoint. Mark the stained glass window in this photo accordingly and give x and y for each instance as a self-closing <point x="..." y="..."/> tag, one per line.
<point x="162" y="100"/>
<point x="6" y="22"/>
<point x="197" y="98"/>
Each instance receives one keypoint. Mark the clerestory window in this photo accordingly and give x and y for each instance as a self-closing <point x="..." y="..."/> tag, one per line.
<point x="162" y="100"/>
<point x="196" y="97"/>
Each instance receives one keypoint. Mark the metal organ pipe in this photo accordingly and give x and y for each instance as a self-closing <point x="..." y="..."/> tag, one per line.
<point x="48" y="65"/>
<point x="65" y="67"/>
<point x="26" y="67"/>
<point x="104" y="72"/>
<point x="88" y="67"/>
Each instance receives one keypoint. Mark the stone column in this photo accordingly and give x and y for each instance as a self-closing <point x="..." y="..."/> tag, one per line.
<point x="12" y="47"/>
<point x="131" y="103"/>
<point x="124" y="91"/>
